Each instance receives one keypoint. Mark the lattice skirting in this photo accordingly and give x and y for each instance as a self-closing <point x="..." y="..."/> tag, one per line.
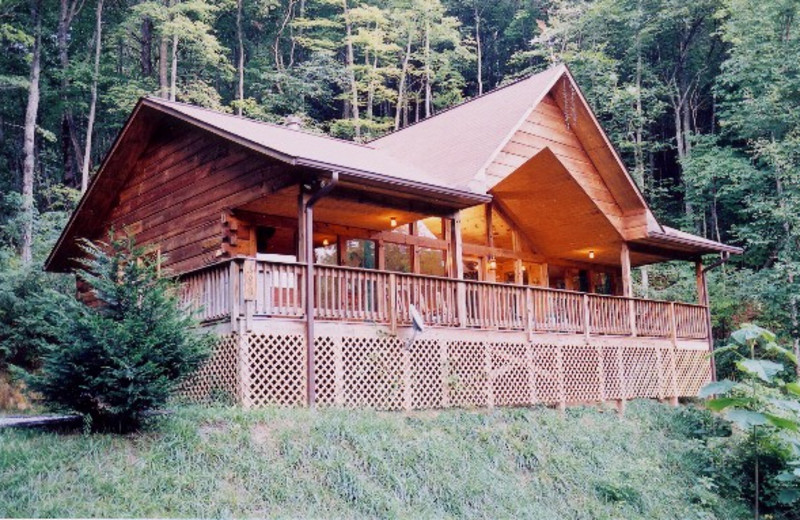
<point x="377" y="371"/>
<point x="218" y="378"/>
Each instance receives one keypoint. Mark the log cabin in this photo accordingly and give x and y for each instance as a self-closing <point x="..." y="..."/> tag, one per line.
<point x="508" y="222"/>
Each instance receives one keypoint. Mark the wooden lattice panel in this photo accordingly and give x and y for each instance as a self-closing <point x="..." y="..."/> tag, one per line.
<point x="547" y="376"/>
<point x="327" y="357"/>
<point x="276" y="374"/>
<point x="373" y="372"/>
<point x="467" y="377"/>
<point x="511" y="374"/>
<point x="582" y="374"/>
<point x="428" y="374"/>
<point x="218" y="377"/>
<point x="640" y="368"/>
<point x="692" y="371"/>
<point x="612" y="372"/>
<point x="668" y="379"/>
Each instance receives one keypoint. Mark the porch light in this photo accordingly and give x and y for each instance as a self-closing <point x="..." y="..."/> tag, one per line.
<point x="492" y="263"/>
<point x="325" y="242"/>
<point x="591" y="255"/>
<point x="393" y="222"/>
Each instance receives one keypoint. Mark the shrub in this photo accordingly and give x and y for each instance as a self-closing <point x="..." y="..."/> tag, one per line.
<point x="122" y="356"/>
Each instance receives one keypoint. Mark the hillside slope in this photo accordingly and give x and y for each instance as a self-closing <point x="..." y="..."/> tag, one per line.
<point x="219" y="462"/>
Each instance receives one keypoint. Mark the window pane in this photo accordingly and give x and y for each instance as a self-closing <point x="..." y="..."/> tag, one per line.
<point x="432" y="261"/>
<point x="325" y="255"/>
<point x="360" y="253"/>
<point x="398" y="257"/>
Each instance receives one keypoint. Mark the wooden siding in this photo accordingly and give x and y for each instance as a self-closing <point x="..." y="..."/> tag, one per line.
<point x="179" y="192"/>
<point x="546" y="127"/>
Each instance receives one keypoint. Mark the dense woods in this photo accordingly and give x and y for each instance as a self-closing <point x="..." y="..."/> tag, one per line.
<point x="700" y="98"/>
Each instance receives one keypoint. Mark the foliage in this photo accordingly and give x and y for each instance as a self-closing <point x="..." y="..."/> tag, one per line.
<point x="122" y="356"/>
<point x="506" y="463"/>
<point x="764" y="404"/>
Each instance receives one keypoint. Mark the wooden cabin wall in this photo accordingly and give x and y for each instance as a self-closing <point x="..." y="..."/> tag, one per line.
<point x="179" y="192"/>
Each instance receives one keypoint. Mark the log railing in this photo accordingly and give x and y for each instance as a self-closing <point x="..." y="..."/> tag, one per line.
<point x="256" y="288"/>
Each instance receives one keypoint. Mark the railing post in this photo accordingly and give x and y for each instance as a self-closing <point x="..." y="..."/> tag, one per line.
<point x="529" y="313"/>
<point x="235" y="292"/>
<point x="249" y="291"/>
<point x="673" y="399"/>
<point x="632" y="314"/>
<point x="393" y="302"/>
<point x="587" y="330"/>
<point x="461" y="296"/>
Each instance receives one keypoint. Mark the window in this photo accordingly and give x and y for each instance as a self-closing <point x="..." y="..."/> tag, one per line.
<point x="359" y="253"/>
<point x="263" y="236"/>
<point x="432" y="261"/>
<point x="398" y="257"/>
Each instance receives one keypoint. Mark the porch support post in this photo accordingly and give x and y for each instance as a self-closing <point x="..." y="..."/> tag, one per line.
<point x="491" y="274"/>
<point x="702" y="299"/>
<point x="458" y="268"/>
<point x="625" y="262"/>
<point x="306" y="234"/>
<point x="700" y="280"/>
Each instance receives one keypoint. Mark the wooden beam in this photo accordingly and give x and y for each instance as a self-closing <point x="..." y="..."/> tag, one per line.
<point x="261" y="219"/>
<point x="625" y="261"/>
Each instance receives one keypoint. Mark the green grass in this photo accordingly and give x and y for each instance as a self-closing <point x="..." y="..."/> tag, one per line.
<point x="223" y="462"/>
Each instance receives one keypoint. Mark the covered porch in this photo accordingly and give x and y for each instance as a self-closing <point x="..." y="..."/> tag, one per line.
<point x="313" y="305"/>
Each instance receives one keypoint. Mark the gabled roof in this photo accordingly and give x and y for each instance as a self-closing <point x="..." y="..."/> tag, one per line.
<point x="442" y="158"/>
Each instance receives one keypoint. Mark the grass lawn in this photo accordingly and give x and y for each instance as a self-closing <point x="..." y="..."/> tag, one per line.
<point x="225" y="462"/>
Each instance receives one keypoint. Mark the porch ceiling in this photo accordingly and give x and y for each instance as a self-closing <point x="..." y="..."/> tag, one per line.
<point x="556" y="214"/>
<point x="346" y="206"/>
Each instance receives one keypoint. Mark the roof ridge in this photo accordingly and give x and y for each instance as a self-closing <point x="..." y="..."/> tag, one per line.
<point x="162" y="101"/>
<point x="469" y="100"/>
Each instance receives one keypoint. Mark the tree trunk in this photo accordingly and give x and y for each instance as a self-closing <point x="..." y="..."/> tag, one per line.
<point x="351" y="72"/>
<point x="428" y="93"/>
<point x="28" y="148"/>
<point x="240" y="63"/>
<point x="70" y="148"/>
<point x="163" y="57"/>
<point x="163" y="82"/>
<point x="98" y="46"/>
<point x="174" y="76"/>
<point x="401" y="89"/>
<point x="479" y="50"/>
<point x="145" y="53"/>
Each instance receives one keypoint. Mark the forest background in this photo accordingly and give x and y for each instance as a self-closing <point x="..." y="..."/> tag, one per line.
<point x="700" y="97"/>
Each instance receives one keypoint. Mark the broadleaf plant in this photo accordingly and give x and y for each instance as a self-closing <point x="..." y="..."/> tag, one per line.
<point x="760" y="403"/>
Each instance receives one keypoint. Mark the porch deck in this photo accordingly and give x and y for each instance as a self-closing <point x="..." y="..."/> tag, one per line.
<point x="486" y="344"/>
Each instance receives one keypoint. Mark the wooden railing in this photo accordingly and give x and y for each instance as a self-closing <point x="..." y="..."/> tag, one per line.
<point x="207" y="292"/>
<point x="269" y="289"/>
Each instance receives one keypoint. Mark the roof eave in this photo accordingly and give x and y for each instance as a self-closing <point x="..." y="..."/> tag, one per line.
<point x="702" y="246"/>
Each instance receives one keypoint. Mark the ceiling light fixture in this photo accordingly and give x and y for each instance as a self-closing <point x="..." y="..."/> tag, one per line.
<point x="591" y="255"/>
<point x="393" y="222"/>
